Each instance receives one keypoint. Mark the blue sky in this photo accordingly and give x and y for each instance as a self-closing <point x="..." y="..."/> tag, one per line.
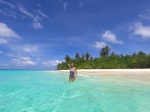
<point x="38" y="34"/>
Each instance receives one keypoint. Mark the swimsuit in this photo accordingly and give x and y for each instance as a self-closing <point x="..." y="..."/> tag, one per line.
<point x="72" y="72"/>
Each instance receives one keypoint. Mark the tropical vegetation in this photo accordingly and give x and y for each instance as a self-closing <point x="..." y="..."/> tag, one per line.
<point x="107" y="60"/>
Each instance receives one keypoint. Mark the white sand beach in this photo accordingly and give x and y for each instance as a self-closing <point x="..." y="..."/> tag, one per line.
<point x="140" y="74"/>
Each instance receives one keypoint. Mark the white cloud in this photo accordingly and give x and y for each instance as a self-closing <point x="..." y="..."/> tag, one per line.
<point x="111" y="37"/>
<point x="23" y="61"/>
<point x="25" y="48"/>
<point x="3" y="65"/>
<point x="141" y="30"/>
<point x="5" y="31"/>
<point x="22" y="10"/>
<point x="11" y="55"/>
<point x="36" y="18"/>
<point x="3" y="41"/>
<point x="26" y="58"/>
<point x="7" y="12"/>
<point x="145" y="16"/>
<point x="39" y="59"/>
<point x="42" y="14"/>
<point x="7" y="3"/>
<point x="30" y="48"/>
<point x="99" y="45"/>
<point x="37" y="25"/>
<point x="51" y="63"/>
<point x="65" y="5"/>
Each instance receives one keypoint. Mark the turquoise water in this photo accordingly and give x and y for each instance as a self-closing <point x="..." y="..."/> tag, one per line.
<point x="43" y="91"/>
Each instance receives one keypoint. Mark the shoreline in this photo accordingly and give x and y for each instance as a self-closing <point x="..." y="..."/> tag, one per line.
<point x="138" y="74"/>
<point x="89" y="71"/>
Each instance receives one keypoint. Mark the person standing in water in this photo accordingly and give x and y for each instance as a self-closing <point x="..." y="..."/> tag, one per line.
<point x="73" y="72"/>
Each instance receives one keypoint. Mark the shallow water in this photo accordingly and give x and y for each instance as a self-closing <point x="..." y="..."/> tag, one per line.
<point x="43" y="91"/>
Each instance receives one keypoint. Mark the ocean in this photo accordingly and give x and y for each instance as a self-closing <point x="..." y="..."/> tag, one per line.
<point x="50" y="91"/>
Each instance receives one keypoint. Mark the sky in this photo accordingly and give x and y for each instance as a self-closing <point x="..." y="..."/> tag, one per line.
<point x="38" y="34"/>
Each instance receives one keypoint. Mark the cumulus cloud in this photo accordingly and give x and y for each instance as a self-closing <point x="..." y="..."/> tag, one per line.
<point x="99" y="45"/>
<point x="111" y="37"/>
<point x="23" y="61"/>
<point x="51" y="63"/>
<point x="141" y="30"/>
<point x="7" y="3"/>
<point x="5" y="31"/>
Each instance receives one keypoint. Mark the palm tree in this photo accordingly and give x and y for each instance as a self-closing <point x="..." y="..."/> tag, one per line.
<point x="141" y="53"/>
<point x="112" y="54"/>
<point x="77" y="56"/>
<point x="83" y="57"/>
<point x="87" y="56"/>
<point x="67" y="58"/>
<point x="134" y="55"/>
<point x="91" y="58"/>
<point x="104" y="51"/>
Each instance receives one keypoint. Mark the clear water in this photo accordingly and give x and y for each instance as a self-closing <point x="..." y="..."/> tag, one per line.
<point x="42" y="91"/>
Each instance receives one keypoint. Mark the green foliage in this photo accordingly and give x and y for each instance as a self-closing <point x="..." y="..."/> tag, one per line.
<point x="77" y="56"/>
<point x="107" y="61"/>
<point x="67" y="58"/>
<point x="104" y="51"/>
<point x="87" y="56"/>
